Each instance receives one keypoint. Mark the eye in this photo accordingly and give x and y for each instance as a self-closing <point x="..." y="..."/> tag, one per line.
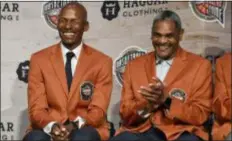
<point x="156" y="35"/>
<point x="61" y="20"/>
<point x="76" y="22"/>
<point x="169" y="35"/>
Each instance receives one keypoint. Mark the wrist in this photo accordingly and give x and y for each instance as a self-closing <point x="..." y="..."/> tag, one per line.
<point x="55" y="125"/>
<point x="167" y="102"/>
<point x="151" y="106"/>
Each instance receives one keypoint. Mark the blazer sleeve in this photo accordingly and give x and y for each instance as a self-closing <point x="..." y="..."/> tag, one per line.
<point x="37" y="101"/>
<point x="196" y="109"/>
<point x="97" y="110"/>
<point x="222" y="95"/>
<point x="129" y="104"/>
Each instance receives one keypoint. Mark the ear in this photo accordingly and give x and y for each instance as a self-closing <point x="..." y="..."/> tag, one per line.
<point x="86" y="27"/>
<point x="181" y="34"/>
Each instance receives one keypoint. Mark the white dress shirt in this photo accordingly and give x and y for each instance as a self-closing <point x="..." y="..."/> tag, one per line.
<point x="162" y="68"/>
<point x="47" y="129"/>
<point x="74" y="60"/>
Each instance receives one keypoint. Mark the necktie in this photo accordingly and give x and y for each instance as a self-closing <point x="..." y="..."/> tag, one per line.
<point x="68" y="68"/>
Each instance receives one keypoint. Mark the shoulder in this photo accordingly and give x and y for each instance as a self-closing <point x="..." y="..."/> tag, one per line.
<point x="44" y="53"/>
<point x="98" y="55"/>
<point x="142" y="59"/>
<point x="197" y="59"/>
<point x="225" y="58"/>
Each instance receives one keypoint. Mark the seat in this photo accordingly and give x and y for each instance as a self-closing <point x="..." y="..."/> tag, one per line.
<point x="212" y="53"/>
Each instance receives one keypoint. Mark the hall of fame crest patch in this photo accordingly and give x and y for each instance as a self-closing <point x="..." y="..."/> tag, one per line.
<point x="209" y="11"/>
<point x="51" y="10"/>
<point x="86" y="90"/>
<point x="178" y="94"/>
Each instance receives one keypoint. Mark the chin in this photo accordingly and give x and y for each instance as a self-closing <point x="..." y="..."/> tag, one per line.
<point x="67" y="43"/>
<point x="164" y="57"/>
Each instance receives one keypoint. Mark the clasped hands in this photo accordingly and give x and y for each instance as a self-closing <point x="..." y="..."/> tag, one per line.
<point x="154" y="93"/>
<point x="61" y="132"/>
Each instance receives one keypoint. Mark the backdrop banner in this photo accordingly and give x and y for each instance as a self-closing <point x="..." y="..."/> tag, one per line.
<point x="120" y="29"/>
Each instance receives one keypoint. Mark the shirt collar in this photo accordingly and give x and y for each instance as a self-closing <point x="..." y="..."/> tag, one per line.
<point x="76" y="51"/>
<point x="160" y="61"/>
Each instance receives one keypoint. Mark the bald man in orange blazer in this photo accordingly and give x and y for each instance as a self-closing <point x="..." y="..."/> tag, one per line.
<point x="222" y="99"/>
<point x="166" y="93"/>
<point x="60" y="111"/>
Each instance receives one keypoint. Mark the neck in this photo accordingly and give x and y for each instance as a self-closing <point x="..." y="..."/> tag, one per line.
<point x="71" y="47"/>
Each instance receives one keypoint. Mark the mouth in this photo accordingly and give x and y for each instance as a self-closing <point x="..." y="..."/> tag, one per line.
<point x="163" y="48"/>
<point x="68" y="34"/>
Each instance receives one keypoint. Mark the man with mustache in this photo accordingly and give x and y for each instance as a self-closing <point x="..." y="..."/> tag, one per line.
<point x="69" y="85"/>
<point x="166" y="93"/>
<point x="222" y="99"/>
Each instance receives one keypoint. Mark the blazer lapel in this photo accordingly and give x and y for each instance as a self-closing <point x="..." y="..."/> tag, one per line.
<point x="150" y="67"/>
<point x="178" y="64"/>
<point x="81" y="68"/>
<point x="58" y="65"/>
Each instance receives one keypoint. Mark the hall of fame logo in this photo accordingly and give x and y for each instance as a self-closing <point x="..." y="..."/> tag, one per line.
<point x="51" y="10"/>
<point x="86" y="90"/>
<point x="121" y="61"/>
<point x="22" y="71"/>
<point x="178" y="94"/>
<point x="209" y="11"/>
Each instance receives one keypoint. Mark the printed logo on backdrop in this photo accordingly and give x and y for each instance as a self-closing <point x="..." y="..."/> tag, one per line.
<point x="209" y="11"/>
<point x="9" y="11"/>
<point x="22" y="71"/>
<point x="7" y="131"/>
<point x="111" y="9"/>
<point x="51" y="10"/>
<point x="121" y="61"/>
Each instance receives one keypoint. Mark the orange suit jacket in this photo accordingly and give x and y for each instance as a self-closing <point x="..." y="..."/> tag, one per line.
<point x="48" y="96"/>
<point x="222" y="98"/>
<point x="189" y="73"/>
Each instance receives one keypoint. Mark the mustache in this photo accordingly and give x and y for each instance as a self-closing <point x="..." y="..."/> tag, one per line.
<point x="162" y="44"/>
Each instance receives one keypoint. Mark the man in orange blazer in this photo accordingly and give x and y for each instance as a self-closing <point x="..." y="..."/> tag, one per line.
<point x="69" y="85"/>
<point x="167" y="93"/>
<point x="222" y="99"/>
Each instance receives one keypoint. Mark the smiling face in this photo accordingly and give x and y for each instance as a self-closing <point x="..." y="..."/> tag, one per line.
<point x="71" y="25"/>
<point x="165" y="38"/>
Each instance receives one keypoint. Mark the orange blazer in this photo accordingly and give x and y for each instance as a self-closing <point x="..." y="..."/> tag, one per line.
<point x="48" y="96"/>
<point x="222" y="97"/>
<point x="189" y="73"/>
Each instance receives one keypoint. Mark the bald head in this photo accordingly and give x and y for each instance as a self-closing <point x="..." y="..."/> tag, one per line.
<point x="72" y="23"/>
<point x="77" y="7"/>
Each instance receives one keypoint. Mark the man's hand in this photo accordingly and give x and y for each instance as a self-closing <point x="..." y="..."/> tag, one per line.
<point x="154" y="93"/>
<point x="59" y="132"/>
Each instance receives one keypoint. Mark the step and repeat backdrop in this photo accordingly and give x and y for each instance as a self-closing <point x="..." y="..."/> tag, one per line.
<point x="120" y="29"/>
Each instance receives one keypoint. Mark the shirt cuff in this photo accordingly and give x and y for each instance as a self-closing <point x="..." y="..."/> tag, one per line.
<point x="48" y="128"/>
<point x="81" y="121"/>
<point x="143" y="113"/>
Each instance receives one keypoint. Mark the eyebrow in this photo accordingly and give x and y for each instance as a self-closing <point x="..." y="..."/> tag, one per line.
<point x="168" y="34"/>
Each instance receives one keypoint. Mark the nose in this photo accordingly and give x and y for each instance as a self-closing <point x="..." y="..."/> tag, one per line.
<point x="163" y="39"/>
<point x="68" y="25"/>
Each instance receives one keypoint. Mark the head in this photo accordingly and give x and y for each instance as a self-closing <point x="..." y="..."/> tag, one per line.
<point x="72" y="23"/>
<point x="166" y="34"/>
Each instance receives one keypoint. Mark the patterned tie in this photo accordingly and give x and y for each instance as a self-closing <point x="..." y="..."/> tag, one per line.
<point x="68" y="68"/>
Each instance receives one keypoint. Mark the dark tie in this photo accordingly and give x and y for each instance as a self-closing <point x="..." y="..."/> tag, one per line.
<point x="68" y="68"/>
<point x="158" y="62"/>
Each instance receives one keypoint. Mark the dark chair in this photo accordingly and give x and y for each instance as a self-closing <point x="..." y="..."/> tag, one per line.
<point x="212" y="53"/>
<point x="111" y="129"/>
